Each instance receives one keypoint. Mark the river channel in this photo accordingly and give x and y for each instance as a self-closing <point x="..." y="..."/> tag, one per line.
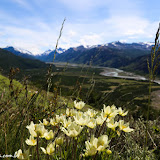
<point x="111" y="72"/>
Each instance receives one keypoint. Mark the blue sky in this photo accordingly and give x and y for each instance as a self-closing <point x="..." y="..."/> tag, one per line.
<point x="35" y="24"/>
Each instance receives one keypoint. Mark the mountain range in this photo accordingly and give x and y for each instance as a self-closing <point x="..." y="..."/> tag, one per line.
<point x="8" y="60"/>
<point x="48" y="55"/>
<point x="129" y="56"/>
<point x="19" y="52"/>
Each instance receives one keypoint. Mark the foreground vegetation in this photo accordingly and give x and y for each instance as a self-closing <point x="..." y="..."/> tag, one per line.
<point x="74" y="113"/>
<point x="22" y="103"/>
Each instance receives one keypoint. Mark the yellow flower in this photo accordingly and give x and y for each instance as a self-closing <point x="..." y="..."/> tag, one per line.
<point x="49" y="150"/>
<point x="72" y="130"/>
<point x="31" y="141"/>
<point x="109" y="151"/>
<point x="121" y="112"/>
<point x="79" y="105"/>
<point x="124" y="127"/>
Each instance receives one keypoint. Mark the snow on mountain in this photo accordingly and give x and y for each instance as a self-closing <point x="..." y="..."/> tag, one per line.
<point x="105" y="44"/>
<point x="115" y="43"/>
<point x="118" y="45"/>
<point x="147" y="44"/>
<point x="47" y="52"/>
<point x="24" y="51"/>
<point x="59" y="51"/>
<point x="91" y="46"/>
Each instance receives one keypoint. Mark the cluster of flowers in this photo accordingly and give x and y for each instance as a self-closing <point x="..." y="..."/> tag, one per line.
<point x="72" y="124"/>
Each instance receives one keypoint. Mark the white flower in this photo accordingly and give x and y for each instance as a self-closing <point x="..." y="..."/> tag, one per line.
<point x="71" y="112"/>
<point x="79" y="105"/>
<point x="49" y="135"/>
<point x="68" y="112"/>
<point x="102" y="143"/>
<point x="91" y="146"/>
<point x="124" y="127"/>
<point x="96" y="144"/>
<point x="59" y="119"/>
<point x="59" y="140"/>
<point x="121" y="112"/>
<point x="91" y="112"/>
<point x="49" y="150"/>
<point x="31" y="141"/>
<point x="72" y="130"/>
<point x="111" y="124"/>
<point x="31" y="129"/>
<point x="81" y="118"/>
<point x="100" y="119"/>
<point x="53" y="122"/>
<point x="91" y="123"/>
<point x="45" y="122"/>
<point x="40" y="130"/>
<point x="109" y="112"/>
<point x="21" y="155"/>
<point x="36" y="129"/>
<point x="66" y="122"/>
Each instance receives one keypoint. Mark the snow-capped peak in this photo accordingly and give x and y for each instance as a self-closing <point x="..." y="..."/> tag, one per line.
<point x="24" y="51"/>
<point x="59" y="51"/>
<point x="147" y="44"/>
<point x="91" y="46"/>
<point x="47" y="52"/>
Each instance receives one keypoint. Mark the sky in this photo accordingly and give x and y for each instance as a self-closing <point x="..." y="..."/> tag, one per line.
<point x="34" y="25"/>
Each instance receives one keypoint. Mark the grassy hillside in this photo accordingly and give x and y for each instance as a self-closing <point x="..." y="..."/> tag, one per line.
<point x="22" y="104"/>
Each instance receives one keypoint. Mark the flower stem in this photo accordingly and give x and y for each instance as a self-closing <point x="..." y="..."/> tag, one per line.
<point x="75" y="149"/>
<point x="37" y="148"/>
<point x="100" y="130"/>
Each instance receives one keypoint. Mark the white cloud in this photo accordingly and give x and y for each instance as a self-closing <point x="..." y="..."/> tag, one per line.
<point x="90" y="39"/>
<point x="124" y="21"/>
<point x="45" y="37"/>
<point x="29" y="39"/>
